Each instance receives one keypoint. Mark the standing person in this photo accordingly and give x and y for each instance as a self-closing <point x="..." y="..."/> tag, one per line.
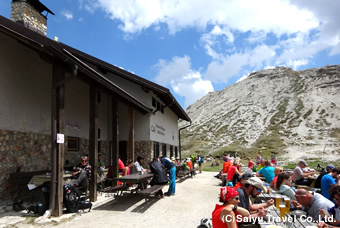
<point x="172" y="168"/>
<point x="328" y="181"/>
<point x="200" y="161"/>
<point x="81" y="175"/>
<point x="258" y="158"/>
<point x="225" y="215"/>
<point x="300" y="174"/>
<point x="159" y="177"/>
<point x="250" y="164"/>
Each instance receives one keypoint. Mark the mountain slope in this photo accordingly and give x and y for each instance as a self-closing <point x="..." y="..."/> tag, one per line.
<point x="284" y="110"/>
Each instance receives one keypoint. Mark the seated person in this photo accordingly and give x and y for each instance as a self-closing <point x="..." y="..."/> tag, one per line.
<point x="244" y="177"/>
<point x="273" y="163"/>
<point x="160" y="177"/>
<point x="261" y="165"/>
<point x="311" y="202"/>
<point x="81" y="175"/>
<point x="328" y="181"/>
<point x="227" y="164"/>
<point x="120" y="165"/>
<point x="252" y="188"/>
<point x="277" y="171"/>
<point x="300" y="174"/>
<point x="189" y="163"/>
<point x="267" y="171"/>
<point x="137" y="166"/>
<point x="233" y="170"/>
<point x="328" y="169"/>
<point x="250" y="163"/>
<point x="225" y="215"/>
<point x="127" y="169"/>
<point x="334" y="211"/>
<point x="283" y="186"/>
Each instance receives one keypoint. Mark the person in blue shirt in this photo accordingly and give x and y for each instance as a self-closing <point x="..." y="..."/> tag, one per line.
<point x="169" y="165"/>
<point x="328" y="180"/>
<point x="267" y="171"/>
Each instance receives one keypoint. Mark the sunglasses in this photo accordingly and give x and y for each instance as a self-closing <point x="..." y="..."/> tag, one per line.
<point x="281" y="171"/>
<point x="83" y="160"/>
<point x="258" y="190"/>
<point x="237" y="198"/>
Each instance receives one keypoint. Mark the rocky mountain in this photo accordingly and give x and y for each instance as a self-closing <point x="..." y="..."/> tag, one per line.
<point x="291" y="113"/>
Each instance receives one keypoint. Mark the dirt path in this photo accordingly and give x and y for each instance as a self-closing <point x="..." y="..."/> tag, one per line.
<point x="195" y="199"/>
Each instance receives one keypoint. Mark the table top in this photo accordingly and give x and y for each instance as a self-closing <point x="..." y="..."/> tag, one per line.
<point x="134" y="178"/>
<point x="273" y="218"/>
<point x="38" y="180"/>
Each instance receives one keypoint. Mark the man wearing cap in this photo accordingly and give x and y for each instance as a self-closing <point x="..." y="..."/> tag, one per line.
<point x="328" y="169"/>
<point x="328" y="181"/>
<point x="244" y="177"/>
<point x="253" y="187"/>
<point x="300" y="174"/>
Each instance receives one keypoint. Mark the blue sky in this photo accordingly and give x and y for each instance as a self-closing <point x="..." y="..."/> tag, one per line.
<point x="194" y="47"/>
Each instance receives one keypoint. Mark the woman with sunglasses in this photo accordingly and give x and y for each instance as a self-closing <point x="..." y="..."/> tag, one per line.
<point x="277" y="171"/>
<point x="228" y="214"/>
<point x="283" y="185"/>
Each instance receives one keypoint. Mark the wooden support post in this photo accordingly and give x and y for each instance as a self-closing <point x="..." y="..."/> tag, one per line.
<point x="131" y="142"/>
<point x="115" y="140"/>
<point x="93" y="141"/>
<point x="58" y="150"/>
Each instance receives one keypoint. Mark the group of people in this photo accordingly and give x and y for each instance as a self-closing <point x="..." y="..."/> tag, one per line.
<point x="236" y="199"/>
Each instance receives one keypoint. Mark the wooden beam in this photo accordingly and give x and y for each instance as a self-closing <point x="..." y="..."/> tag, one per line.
<point x="93" y="141"/>
<point x="58" y="150"/>
<point x="115" y="140"/>
<point x="131" y="141"/>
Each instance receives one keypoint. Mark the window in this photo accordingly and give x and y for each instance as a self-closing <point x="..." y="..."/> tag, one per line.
<point x="171" y="151"/>
<point x="164" y="149"/>
<point x="156" y="149"/>
<point x="72" y="143"/>
<point x="154" y="102"/>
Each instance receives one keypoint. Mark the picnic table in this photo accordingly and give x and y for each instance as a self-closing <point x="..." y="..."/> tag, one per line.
<point x="273" y="219"/>
<point x="313" y="178"/>
<point x="135" y="178"/>
<point x="38" y="180"/>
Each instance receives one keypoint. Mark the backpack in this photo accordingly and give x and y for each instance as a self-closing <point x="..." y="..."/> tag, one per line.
<point x="71" y="198"/>
<point x="43" y="200"/>
<point x="206" y="222"/>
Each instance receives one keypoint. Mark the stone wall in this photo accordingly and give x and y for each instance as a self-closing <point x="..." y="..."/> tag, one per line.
<point x="22" y="12"/>
<point x="144" y="149"/>
<point x="27" y="152"/>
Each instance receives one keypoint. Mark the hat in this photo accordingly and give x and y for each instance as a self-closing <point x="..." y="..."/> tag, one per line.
<point x="187" y="159"/>
<point x="225" y="158"/>
<point x="303" y="162"/>
<point x="172" y="158"/>
<point x="177" y="158"/>
<point x="328" y="167"/>
<point x="227" y="193"/>
<point x="273" y="161"/>
<point x="256" y="182"/>
<point x="246" y="176"/>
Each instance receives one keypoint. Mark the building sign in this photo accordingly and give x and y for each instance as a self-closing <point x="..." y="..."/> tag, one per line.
<point x="158" y="129"/>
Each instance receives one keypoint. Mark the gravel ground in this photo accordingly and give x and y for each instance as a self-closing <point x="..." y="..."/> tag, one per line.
<point x="195" y="199"/>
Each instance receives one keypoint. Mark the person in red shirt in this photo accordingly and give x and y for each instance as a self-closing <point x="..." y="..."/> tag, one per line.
<point x="277" y="171"/>
<point x="225" y="215"/>
<point x="189" y="163"/>
<point x="244" y="177"/>
<point x="227" y="164"/>
<point x="233" y="169"/>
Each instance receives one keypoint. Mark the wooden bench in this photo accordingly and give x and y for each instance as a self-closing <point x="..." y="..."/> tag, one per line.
<point x="113" y="189"/>
<point x="183" y="173"/>
<point x="151" y="191"/>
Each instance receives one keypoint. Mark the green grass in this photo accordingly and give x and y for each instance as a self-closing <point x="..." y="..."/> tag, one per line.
<point x="207" y="166"/>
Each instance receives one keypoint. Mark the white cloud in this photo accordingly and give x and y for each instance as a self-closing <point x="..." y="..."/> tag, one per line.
<point x="184" y="81"/>
<point x="67" y="14"/>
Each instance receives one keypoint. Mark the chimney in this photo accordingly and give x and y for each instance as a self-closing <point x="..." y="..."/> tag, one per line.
<point x="28" y="13"/>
